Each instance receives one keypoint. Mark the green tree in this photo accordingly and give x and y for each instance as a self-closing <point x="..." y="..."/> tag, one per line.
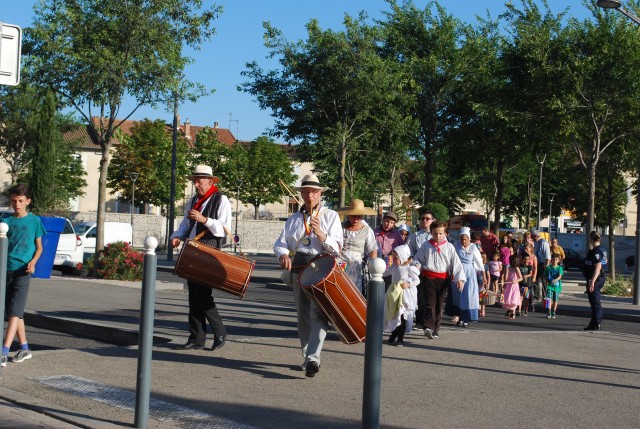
<point x="331" y="90"/>
<point x="18" y="111"/>
<point x="31" y="132"/>
<point x="43" y="167"/>
<point x="266" y="163"/>
<point x="209" y="150"/>
<point x="95" y="53"/>
<point x="147" y="151"/>
<point x="600" y="101"/>
<point x="427" y="45"/>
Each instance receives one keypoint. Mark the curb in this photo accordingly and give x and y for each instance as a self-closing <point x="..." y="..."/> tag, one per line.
<point x="160" y="285"/>
<point x="94" y="331"/>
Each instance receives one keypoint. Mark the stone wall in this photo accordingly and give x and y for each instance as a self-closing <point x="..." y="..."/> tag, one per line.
<point x="256" y="236"/>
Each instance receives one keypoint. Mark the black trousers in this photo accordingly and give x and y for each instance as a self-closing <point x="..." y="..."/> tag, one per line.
<point x="433" y="292"/>
<point x="596" y="306"/>
<point x="202" y="308"/>
<point x="398" y="333"/>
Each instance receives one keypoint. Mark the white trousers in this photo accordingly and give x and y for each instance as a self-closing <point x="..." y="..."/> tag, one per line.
<point x="312" y="327"/>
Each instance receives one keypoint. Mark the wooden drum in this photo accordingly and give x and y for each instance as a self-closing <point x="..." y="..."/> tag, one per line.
<point x="337" y="297"/>
<point x="213" y="268"/>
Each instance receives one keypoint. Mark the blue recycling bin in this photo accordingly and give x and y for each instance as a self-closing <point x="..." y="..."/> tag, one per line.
<point x="54" y="227"/>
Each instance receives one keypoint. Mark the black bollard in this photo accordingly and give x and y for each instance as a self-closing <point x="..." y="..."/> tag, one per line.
<point x="373" y="346"/>
<point x="145" y="335"/>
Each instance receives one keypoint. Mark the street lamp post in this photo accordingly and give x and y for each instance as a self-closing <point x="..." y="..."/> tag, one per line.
<point x="617" y="5"/>
<point x="235" y="234"/>
<point x="552" y="195"/>
<point x="134" y="176"/>
<point x="541" y="162"/>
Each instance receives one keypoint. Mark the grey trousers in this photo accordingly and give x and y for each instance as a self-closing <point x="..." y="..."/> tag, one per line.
<point x="312" y="327"/>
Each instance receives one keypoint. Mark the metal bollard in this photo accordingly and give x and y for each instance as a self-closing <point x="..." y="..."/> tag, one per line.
<point x="373" y="346"/>
<point x="145" y="336"/>
<point x="4" y="253"/>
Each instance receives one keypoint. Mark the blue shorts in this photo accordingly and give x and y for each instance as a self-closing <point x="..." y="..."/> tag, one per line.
<point x="17" y="291"/>
<point x="553" y="295"/>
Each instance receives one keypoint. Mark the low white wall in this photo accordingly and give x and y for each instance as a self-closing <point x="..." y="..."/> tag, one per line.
<point x="256" y="236"/>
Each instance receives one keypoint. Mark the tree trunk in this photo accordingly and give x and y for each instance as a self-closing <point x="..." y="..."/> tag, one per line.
<point x="529" y="205"/>
<point x="499" y="195"/>
<point x="610" y="222"/>
<point x="343" y="180"/>
<point x="592" y="204"/>
<point x="102" y="195"/>
<point x="428" y="173"/>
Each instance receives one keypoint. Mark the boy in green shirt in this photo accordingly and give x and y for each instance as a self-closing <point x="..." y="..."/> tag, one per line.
<point x="553" y="273"/>
<point x="25" y="248"/>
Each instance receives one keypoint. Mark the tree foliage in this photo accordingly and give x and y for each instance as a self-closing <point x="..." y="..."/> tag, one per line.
<point x="333" y="91"/>
<point x="95" y="53"/>
<point x="263" y="165"/>
<point x="147" y="151"/>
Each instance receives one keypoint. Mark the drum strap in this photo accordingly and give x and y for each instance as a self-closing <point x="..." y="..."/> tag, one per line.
<point x="199" y="236"/>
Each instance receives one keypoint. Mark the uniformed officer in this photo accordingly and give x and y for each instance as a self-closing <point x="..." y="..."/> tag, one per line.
<point x="595" y="277"/>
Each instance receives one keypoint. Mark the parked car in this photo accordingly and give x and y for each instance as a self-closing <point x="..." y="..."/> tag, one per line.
<point x="70" y="250"/>
<point x="113" y="231"/>
<point x="572" y="259"/>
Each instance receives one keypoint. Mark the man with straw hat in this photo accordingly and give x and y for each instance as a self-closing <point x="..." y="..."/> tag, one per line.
<point x="209" y="212"/>
<point x="311" y="231"/>
<point x="359" y="241"/>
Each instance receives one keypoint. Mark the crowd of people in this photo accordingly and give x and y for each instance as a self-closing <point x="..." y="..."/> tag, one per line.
<point x="456" y="277"/>
<point x="428" y="273"/>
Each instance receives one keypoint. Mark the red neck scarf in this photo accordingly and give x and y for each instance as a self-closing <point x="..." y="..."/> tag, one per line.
<point x="212" y="190"/>
<point x="437" y="245"/>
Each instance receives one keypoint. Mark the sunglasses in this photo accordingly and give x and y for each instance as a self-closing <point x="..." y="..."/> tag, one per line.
<point x="426" y="218"/>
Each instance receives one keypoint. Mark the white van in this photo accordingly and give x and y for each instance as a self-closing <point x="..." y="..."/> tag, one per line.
<point x="113" y="231"/>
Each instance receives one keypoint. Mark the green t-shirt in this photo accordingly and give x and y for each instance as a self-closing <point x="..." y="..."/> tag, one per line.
<point x="22" y="235"/>
<point x="551" y="273"/>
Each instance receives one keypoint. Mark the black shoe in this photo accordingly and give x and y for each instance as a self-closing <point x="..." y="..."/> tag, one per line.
<point x="312" y="369"/>
<point x="392" y="341"/>
<point x="400" y="343"/>
<point x="190" y="346"/>
<point x="435" y="334"/>
<point x="219" y="342"/>
<point x="592" y="328"/>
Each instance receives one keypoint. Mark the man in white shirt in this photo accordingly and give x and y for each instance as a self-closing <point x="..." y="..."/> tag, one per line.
<point x="209" y="213"/>
<point x="311" y="231"/>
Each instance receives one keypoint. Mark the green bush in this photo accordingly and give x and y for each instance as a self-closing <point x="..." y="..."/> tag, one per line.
<point x="117" y="261"/>
<point x="619" y="287"/>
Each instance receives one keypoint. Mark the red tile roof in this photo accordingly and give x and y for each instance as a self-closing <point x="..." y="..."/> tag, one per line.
<point x="82" y="136"/>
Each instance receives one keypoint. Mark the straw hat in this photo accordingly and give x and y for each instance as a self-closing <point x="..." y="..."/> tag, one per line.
<point x="310" y="181"/>
<point x="204" y="171"/>
<point x="357" y="208"/>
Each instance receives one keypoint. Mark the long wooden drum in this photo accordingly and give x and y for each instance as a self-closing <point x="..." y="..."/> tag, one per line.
<point x="213" y="268"/>
<point x="337" y="297"/>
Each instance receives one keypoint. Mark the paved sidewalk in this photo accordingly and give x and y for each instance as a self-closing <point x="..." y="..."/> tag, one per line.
<point x="471" y="377"/>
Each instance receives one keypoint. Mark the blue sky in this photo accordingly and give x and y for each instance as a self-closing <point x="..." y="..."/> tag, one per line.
<point x="239" y="40"/>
